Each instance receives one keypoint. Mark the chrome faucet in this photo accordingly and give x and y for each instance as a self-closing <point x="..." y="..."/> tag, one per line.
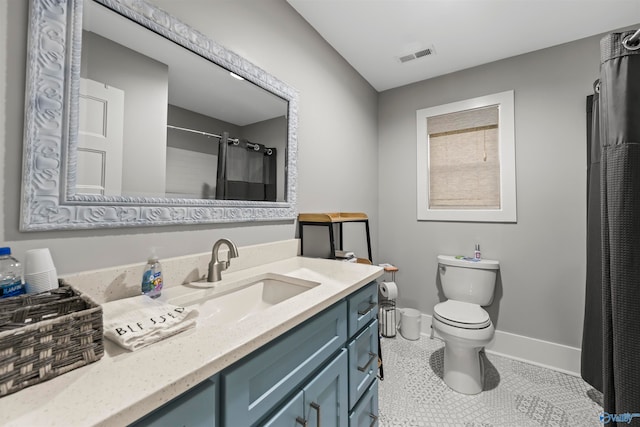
<point x="216" y="267"/>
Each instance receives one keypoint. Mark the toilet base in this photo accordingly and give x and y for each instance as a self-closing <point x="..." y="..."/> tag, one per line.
<point x="463" y="368"/>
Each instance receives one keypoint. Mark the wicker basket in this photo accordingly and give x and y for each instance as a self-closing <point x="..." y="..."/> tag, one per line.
<point x="45" y="335"/>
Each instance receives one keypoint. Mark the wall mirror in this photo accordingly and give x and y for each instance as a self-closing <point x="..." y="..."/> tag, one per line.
<point x="466" y="160"/>
<point x="132" y="118"/>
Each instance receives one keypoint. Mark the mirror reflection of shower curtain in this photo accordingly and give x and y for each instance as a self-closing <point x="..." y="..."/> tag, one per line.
<point x="245" y="173"/>
<point x="620" y="180"/>
<point x="591" y="355"/>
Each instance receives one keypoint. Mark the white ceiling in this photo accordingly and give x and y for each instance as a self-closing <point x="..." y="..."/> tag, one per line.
<point x="372" y="34"/>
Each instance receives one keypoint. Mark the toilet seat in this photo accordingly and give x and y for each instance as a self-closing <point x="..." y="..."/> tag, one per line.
<point x="461" y="315"/>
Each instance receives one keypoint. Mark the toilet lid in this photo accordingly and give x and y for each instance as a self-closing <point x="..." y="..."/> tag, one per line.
<point x="462" y="314"/>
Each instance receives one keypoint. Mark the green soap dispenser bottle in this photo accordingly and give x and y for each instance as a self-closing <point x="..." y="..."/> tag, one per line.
<point x="152" y="278"/>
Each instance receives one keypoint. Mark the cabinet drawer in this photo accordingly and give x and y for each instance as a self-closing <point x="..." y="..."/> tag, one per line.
<point x="362" y="307"/>
<point x="195" y="408"/>
<point x="365" y="414"/>
<point x="363" y="362"/>
<point x="252" y="387"/>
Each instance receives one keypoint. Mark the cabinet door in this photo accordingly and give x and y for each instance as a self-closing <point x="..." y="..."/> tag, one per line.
<point x="253" y="387"/>
<point x="290" y="415"/>
<point x="325" y="396"/>
<point x="195" y="408"/>
<point x="365" y="413"/>
<point x="363" y="362"/>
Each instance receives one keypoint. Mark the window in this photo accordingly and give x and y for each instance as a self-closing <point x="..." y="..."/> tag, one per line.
<point x="466" y="160"/>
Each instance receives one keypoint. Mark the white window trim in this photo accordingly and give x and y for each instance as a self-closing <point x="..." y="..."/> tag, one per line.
<point x="507" y="212"/>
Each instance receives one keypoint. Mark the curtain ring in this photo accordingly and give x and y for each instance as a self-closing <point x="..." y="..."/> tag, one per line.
<point x="631" y="45"/>
<point x="256" y="147"/>
<point x="596" y="86"/>
<point x="269" y="152"/>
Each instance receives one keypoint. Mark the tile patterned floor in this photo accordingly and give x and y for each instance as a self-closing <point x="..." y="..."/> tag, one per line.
<point x="516" y="393"/>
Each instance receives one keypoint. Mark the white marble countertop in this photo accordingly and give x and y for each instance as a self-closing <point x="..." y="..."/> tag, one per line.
<point x="123" y="386"/>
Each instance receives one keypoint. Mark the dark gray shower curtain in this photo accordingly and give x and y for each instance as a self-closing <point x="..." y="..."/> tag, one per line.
<point x="620" y="181"/>
<point x="591" y="356"/>
<point x="245" y="173"/>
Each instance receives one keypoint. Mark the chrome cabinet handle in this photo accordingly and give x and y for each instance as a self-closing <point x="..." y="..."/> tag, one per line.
<point x="374" y="418"/>
<point x="366" y="366"/>
<point x="301" y="421"/>
<point x="315" y="406"/>
<point x="368" y="309"/>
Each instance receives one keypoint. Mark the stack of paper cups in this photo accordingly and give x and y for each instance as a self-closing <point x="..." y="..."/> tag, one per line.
<point x="39" y="271"/>
<point x="389" y="290"/>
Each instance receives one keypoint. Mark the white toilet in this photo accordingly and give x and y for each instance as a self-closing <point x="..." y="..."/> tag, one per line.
<point x="461" y="321"/>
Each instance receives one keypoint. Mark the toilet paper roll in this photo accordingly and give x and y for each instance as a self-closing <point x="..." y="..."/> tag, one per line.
<point x="389" y="290"/>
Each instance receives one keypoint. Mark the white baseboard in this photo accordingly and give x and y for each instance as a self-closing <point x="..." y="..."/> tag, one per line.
<point x="538" y="352"/>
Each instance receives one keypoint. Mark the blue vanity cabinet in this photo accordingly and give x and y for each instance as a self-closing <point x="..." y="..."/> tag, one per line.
<point x="291" y="414"/>
<point x="197" y="407"/>
<point x="320" y="402"/>
<point x="363" y="355"/>
<point x="363" y="307"/>
<point x="322" y="372"/>
<point x="365" y="414"/>
<point x="253" y="387"/>
<point x="363" y="362"/>
<point x="326" y="393"/>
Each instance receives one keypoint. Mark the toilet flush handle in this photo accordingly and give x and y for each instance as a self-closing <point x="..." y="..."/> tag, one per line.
<point x="443" y="268"/>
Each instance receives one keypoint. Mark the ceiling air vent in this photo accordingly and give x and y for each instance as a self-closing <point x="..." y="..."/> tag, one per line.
<point x="418" y="54"/>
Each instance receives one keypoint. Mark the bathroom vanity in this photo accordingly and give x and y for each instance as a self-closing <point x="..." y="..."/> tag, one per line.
<point x="308" y="360"/>
<point x="305" y="376"/>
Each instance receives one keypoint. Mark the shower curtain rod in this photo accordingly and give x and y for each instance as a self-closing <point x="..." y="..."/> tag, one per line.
<point x="213" y="135"/>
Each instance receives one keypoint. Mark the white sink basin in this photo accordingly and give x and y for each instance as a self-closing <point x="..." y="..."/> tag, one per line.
<point x="238" y="300"/>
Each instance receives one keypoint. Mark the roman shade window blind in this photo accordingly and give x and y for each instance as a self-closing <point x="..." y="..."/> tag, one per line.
<point x="464" y="159"/>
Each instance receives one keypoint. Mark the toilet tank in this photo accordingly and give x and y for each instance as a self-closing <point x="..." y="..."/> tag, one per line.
<point x="468" y="281"/>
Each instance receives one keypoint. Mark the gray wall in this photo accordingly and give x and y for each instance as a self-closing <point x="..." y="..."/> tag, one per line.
<point x="541" y="292"/>
<point x="337" y="135"/>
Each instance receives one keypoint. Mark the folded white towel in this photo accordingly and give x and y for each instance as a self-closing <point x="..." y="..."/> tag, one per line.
<point x="136" y="322"/>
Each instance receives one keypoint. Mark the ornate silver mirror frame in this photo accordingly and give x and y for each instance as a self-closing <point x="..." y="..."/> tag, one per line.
<point x="51" y="117"/>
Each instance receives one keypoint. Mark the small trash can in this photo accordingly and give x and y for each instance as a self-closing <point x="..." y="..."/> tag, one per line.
<point x="387" y="318"/>
<point x="409" y="324"/>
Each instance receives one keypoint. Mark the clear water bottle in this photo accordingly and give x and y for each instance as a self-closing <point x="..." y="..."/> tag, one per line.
<point x="152" y="278"/>
<point x="11" y="283"/>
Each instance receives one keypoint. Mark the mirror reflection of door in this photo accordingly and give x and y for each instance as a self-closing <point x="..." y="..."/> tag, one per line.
<point x="167" y="84"/>
<point x="100" y="135"/>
